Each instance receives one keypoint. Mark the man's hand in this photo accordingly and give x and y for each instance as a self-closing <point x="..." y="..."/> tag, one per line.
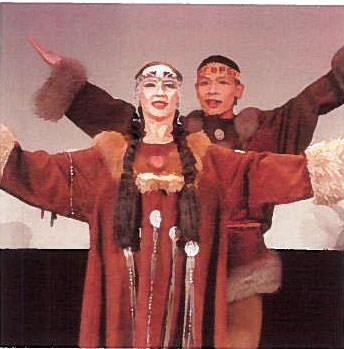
<point x="50" y="57"/>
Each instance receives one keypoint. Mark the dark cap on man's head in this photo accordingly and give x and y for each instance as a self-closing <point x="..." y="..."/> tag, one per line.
<point x="219" y="59"/>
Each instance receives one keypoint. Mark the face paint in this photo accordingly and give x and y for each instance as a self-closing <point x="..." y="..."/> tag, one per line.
<point x="159" y="71"/>
<point x="158" y="88"/>
<point x="217" y="88"/>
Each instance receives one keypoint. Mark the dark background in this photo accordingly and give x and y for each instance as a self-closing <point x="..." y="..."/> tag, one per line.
<point x="41" y="293"/>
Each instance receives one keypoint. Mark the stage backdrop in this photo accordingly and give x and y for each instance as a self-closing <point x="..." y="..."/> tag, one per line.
<point x="280" y="49"/>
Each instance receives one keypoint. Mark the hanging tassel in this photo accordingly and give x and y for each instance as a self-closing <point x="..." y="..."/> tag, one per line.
<point x="130" y="262"/>
<point x="191" y="250"/>
<point x="42" y="213"/>
<point x="174" y="234"/>
<point x="155" y="221"/>
<point x="71" y="178"/>
<point x="53" y="218"/>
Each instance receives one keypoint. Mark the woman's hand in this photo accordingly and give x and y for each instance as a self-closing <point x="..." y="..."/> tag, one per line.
<point x="50" y="57"/>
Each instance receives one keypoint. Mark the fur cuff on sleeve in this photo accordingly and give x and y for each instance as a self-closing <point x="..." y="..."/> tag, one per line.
<point x="326" y="168"/>
<point x="58" y="92"/>
<point x="261" y="276"/>
<point x="337" y="64"/>
<point x="6" y="146"/>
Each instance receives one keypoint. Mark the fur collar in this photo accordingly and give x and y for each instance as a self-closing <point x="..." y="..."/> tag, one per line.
<point x="246" y="123"/>
<point x="198" y="142"/>
<point x="112" y="146"/>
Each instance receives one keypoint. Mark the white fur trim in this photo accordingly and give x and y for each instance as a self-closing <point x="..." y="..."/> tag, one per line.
<point x="261" y="276"/>
<point x="6" y="146"/>
<point x="326" y="168"/>
<point x="57" y="93"/>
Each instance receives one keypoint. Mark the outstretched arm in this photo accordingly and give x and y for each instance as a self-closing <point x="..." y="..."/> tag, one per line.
<point x="252" y="180"/>
<point x="61" y="183"/>
<point x="67" y="92"/>
<point x="280" y="179"/>
<point x="291" y="126"/>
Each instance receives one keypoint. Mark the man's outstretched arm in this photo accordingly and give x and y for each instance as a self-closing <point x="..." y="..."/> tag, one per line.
<point x="67" y="92"/>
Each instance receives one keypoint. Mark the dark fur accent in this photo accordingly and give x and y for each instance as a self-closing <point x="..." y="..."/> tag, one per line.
<point x="246" y="123"/>
<point x="57" y="93"/>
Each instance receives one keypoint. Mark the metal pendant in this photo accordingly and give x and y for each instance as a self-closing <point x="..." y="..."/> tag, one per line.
<point x="191" y="248"/>
<point x="174" y="233"/>
<point x="155" y="219"/>
<point x="219" y="134"/>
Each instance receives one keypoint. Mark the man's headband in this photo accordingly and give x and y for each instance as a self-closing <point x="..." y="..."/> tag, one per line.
<point x="227" y="66"/>
<point x="218" y="68"/>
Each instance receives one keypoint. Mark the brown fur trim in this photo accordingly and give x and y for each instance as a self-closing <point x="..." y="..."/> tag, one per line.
<point x="147" y="182"/>
<point x="57" y="93"/>
<point x="337" y="64"/>
<point x="261" y="276"/>
<point x="112" y="146"/>
<point x="198" y="143"/>
<point x="6" y="146"/>
<point x="247" y="123"/>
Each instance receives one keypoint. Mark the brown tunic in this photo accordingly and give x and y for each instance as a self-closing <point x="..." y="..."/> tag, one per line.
<point x="229" y="184"/>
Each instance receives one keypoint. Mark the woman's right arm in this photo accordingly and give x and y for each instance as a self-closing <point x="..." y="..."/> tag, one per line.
<point x="63" y="183"/>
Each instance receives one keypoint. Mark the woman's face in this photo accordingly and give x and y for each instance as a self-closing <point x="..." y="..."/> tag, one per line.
<point x="159" y="93"/>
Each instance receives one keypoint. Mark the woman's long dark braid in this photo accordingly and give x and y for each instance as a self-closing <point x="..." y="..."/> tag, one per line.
<point x="128" y="207"/>
<point x="188" y="200"/>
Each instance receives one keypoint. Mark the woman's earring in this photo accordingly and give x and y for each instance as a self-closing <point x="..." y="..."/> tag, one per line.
<point x="179" y="120"/>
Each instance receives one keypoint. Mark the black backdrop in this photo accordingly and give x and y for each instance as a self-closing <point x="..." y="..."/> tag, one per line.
<point x="41" y="292"/>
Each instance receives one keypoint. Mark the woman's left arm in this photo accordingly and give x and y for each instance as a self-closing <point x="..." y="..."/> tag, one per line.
<point x="281" y="179"/>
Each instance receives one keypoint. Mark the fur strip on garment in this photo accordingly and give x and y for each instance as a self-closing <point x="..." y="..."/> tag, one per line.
<point x="108" y="141"/>
<point x="6" y="146"/>
<point x="57" y="93"/>
<point x="261" y="276"/>
<point x="325" y="163"/>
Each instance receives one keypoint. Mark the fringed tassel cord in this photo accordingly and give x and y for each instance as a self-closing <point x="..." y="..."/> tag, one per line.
<point x="71" y="178"/>
<point x="191" y="250"/>
<point x="174" y="236"/>
<point x="155" y="220"/>
<point x="130" y="262"/>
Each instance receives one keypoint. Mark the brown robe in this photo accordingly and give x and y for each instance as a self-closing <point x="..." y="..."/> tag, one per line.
<point x="229" y="184"/>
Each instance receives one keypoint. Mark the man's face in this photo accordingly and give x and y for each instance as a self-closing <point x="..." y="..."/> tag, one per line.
<point x="217" y="89"/>
<point x="159" y="92"/>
